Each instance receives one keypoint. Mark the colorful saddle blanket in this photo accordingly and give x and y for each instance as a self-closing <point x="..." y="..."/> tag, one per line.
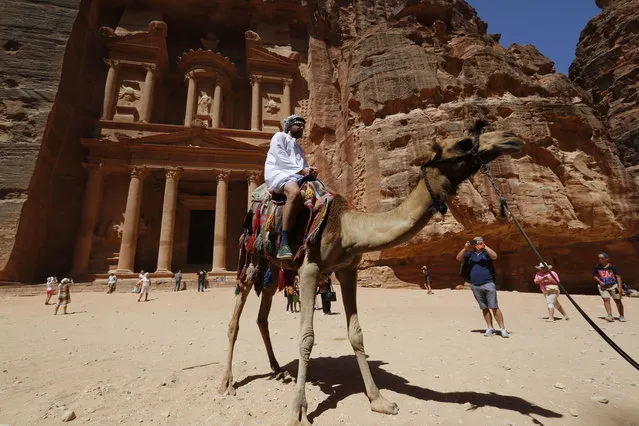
<point x="262" y="236"/>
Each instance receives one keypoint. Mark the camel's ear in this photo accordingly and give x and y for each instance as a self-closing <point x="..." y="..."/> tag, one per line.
<point x="464" y="145"/>
<point x="437" y="149"/>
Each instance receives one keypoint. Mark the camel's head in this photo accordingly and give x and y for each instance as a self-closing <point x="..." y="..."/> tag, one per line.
<point x="459" y="159"/>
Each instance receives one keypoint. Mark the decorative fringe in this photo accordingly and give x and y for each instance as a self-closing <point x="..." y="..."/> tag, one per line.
<point x="256" y="220"/>
<point x="249" y="245"/>
<point x="299" y="256"/>
<point x="308" y="194"/>
<point x="250" y="270"/>
<point x="270" y="222"/>
<point x="268" y="278"/>
<point x="259" y="244"/>
<point x="281" y="280"/>
<point x="248" y="219"/>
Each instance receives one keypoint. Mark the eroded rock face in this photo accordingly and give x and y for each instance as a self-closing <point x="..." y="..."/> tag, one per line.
<point x="607" y="67"/>
<point x="408" y="76"/>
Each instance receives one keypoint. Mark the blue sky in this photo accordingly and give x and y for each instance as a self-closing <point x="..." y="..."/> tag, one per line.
<point x="551" y="25"/>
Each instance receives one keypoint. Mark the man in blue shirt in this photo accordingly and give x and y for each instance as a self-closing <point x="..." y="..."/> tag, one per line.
<point x="478" y="259"/>
<point x="610" y="285"/>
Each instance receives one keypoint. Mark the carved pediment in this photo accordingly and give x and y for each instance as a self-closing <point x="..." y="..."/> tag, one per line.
<point x="262" y="60"/>
<point x="197" y="138"/>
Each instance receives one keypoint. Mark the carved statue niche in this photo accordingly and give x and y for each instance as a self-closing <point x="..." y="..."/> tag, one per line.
<point x="273" y="105"/>
<point x="128" y="102"/>
<point x="204" y="104"/>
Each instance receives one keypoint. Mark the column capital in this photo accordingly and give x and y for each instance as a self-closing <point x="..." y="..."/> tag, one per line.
<point x="255" y="78"/>
<point x="138" y="171"/>
<point x="113" y="63"/>
<point x="222" y="175"/>
<point x="253" y="176"/>
<point x="287" y="81"/>
<point x="189" y="76"/>
<point x="151" y="67"/>
<point x="173" y="172"/>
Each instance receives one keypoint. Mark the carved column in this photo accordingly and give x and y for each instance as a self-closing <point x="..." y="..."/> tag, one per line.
<point x="190" y="100"/>
<point x="149" y="85"/>
<point x="167" y="230"/>
<point x="253" y="178"/>
<point x="90" y="209"/>
<point x="129" y="241"/>
<point x="286" y="98"/>
<point x="110" y="89"/>
<point x="217" y="106"/>
<point x="221" y="207"/>
<point x="255" y="103"/>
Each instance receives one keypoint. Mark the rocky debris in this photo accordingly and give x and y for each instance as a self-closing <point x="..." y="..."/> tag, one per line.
<point x="607" y="67"/>
<point x="600" y="399"/>
<point x="573" y="412"/>
<point x="68" y="416"/>
<point x="559" y="385"/>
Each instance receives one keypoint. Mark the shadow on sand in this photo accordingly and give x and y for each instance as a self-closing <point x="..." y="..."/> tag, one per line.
<point x="340" y="377"/>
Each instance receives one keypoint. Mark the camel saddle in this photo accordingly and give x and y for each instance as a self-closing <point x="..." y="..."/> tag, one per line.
<point x="263" y="222"/>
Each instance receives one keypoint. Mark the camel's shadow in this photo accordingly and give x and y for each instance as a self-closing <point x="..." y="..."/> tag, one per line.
<point x="340" y="377"/>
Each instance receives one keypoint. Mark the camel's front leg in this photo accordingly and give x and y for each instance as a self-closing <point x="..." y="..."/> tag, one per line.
<point x="262" y="323"/>
<point x="348" y="284"/>
<point x="226" y="386"/>
<point x="309" y="274"/>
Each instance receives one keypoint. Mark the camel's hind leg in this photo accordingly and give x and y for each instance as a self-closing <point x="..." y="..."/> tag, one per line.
<point x="262" y="323"/>
<point x="348" y="284"/>
<point x="226" y="386"/>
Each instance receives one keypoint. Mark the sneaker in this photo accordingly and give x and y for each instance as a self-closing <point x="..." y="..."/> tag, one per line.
<point x="622" y="318"/>
<point x="504" y="333"/>
<point x="489" y="332"/>
<point x="609" y="318"/>
<point x="284" y="253"/>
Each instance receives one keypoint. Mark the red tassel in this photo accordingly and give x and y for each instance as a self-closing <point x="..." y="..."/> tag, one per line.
<point x="249" y="246"/>
<point x="281" y="280"/>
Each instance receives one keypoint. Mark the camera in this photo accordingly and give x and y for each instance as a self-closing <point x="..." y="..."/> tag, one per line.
<point x="472" y="242"/>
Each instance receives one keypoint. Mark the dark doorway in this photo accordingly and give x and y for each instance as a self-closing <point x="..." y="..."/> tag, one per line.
<point x="200" y="249"/>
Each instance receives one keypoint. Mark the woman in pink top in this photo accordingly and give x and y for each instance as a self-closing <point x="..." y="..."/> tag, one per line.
<point x="550" y="289"/>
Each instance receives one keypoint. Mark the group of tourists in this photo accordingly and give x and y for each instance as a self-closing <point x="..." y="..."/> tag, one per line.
<point x="64" y="293"/>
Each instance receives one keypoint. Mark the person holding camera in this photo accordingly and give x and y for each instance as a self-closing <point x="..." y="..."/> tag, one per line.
<point x="477" y="268"/>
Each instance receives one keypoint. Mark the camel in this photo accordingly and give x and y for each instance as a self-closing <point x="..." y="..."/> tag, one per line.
<point x="348" y="234"/>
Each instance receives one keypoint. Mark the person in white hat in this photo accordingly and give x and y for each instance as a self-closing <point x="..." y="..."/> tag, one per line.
<point x="284" y="170"/>
<point x="548" y="280"/>
<point x="64" y="295"/>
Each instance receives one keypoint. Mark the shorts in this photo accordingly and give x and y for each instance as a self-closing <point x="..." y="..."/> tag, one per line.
<point x="145" y="289"/>
<point x="279" y="189"/>
<point x="49" y="292"/>
<point x="486" y="295"/>
<point x="610" y="291"/>
<point x="551" y="299"/>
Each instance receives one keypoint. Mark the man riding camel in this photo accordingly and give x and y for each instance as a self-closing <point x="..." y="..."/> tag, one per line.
<point x="284" y="172"/>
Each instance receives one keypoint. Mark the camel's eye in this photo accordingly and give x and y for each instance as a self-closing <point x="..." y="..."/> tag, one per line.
<point x="465" y="144"/>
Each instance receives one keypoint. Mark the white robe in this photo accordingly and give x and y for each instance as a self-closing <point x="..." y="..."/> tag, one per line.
<point x="284" y="159"/>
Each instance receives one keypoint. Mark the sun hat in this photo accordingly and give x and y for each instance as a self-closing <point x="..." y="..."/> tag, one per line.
<point x="541" y="265"/>
<point x="293" y="119"/>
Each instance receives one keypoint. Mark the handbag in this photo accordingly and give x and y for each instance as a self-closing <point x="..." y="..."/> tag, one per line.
<point x="331" y="295"/>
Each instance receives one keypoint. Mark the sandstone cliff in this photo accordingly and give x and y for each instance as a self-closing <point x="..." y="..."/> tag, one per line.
<point x="405" y="75"/>
<point x="607" y="67"/>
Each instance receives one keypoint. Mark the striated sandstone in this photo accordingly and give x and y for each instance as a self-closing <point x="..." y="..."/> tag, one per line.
<point x="607" y="67"/>
<point x="408" y="76"/>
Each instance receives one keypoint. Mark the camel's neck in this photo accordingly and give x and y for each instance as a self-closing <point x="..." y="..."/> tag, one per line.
<point x="365" y="232"/>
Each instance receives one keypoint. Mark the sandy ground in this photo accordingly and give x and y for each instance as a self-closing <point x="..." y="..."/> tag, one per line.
<point x="117" y="361"/>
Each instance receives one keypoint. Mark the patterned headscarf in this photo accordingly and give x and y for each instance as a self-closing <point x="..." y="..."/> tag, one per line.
<point x="293" y="119"/>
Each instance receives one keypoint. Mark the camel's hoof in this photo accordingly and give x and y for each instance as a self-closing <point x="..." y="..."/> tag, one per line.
<point x="382" y="405"/>
<point x="283" y="375"/>
<point x="226" y="388"/>
<point x="299" y="419"/>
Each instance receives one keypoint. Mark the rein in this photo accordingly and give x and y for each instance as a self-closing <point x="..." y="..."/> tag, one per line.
<point x="476" y="160"/>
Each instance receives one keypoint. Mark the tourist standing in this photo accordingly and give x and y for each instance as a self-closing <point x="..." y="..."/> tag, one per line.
<point x="111" y="283"/>
<point x="427" y="279"/>
<point x="477" y="260"/>
<point x="324" y="290"/>
<point x="64" y="295"/>
<point x="51" y="283"/>
<point x="146" y="285"/>
<point x="610" y="285"/>
<point x="289" y="292"/>
<point x="178" y="280"/>
<point x="548" y="280"/>
<point x="296" y="296"/>
<point x="201" y="280"/>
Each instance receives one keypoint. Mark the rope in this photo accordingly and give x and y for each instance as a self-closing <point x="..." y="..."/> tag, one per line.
<point x="504" y="208"/>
